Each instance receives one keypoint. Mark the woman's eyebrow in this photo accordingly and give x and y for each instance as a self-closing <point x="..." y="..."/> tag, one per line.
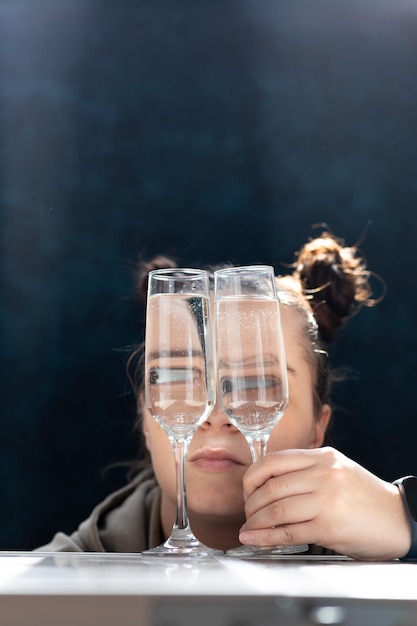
<point x="290" y="369"/>
<point x="164" y="354"/>
<point x="249" y="360"/>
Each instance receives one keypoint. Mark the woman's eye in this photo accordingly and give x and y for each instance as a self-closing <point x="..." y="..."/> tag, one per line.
<point x="166" y="375"/>
<point x="235" y="385"/>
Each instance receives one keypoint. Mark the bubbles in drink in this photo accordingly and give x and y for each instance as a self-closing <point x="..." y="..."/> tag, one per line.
<point x="251" y="389"/>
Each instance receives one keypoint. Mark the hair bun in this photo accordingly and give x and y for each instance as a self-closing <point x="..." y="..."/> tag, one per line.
<point x="335" y="279"/>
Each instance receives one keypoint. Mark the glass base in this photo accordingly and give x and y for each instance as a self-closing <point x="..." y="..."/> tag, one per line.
<point x="264" y="552"/>
<point x="190" y="546"/>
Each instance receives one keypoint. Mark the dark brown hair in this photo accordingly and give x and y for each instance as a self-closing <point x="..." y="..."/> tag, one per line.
<point x="335" y="280"/>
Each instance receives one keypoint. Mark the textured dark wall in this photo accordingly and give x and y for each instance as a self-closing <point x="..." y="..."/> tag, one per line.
<point x="212" y="130"/>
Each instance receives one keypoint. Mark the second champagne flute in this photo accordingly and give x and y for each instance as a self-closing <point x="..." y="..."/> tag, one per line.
<point x="251" y="365"/>
<point x="179" y="380"/>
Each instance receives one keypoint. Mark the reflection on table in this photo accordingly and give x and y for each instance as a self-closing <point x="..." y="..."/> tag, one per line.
<point x="124" y="589"/>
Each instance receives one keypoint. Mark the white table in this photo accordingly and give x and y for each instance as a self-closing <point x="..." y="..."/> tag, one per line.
<point x="122" y="589"/>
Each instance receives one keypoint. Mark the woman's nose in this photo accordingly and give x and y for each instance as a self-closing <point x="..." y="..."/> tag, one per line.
<point x="217" y="418"/>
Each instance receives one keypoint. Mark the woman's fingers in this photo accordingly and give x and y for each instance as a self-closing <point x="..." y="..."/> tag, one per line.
<point x="287" y="535"/>
<point x="285" y="494"/>
<point x="283" y="475"/>
<point x="274" y="495"/>
<point x="277" y="464"/>
<point x="293" y="510"/>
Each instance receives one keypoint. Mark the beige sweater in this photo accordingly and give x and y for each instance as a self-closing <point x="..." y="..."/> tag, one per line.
<point x="128" y="520"/>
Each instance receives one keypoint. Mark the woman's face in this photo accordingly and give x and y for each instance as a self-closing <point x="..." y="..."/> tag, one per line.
<point x="219" y="455"/>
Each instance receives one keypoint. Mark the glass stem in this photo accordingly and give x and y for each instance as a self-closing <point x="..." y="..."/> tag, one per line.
<point x="258" y="447"/>
<point x="180" y="453"/>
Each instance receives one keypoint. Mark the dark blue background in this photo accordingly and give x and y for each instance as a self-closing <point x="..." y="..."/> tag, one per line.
<point x="212" y="130"/>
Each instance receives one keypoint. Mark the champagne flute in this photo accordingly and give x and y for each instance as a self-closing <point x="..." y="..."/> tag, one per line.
<point x="251" y="365"/>
<point x="179" y="380"/>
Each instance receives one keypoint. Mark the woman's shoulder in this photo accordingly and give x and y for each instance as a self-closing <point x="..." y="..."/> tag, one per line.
<point x="125" y="521"/>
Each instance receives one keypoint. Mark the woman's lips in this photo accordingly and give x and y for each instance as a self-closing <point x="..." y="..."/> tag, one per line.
<point x="214" y="460"/>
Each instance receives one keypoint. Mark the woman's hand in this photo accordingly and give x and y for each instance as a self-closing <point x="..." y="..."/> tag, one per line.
<point x="321" y="497"/>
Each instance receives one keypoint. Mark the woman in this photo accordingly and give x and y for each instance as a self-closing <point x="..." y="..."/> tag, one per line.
<point x="299" y="493"/>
